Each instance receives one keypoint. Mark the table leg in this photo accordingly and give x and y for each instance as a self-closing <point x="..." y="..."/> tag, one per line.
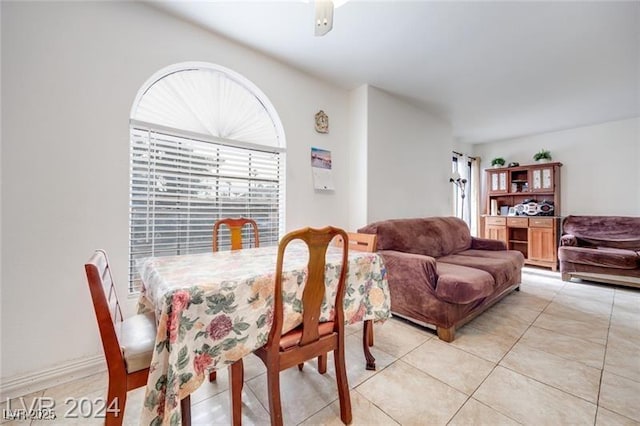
<point x="367" y="341"/>
<point x="185" y="408"/>
<point x="236" y="381"/>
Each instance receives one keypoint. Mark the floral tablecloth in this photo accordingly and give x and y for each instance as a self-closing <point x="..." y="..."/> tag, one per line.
<point x="215" y="308"/>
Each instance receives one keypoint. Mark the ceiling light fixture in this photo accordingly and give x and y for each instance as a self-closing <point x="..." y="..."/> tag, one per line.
<point x="324" y="17"/>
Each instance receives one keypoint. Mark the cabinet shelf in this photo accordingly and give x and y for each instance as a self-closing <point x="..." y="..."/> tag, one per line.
<point x="519" y="241"/>
<point x="532" y="193"/>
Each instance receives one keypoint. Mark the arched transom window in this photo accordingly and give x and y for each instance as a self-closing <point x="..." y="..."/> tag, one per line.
<point x="206" y="144"/>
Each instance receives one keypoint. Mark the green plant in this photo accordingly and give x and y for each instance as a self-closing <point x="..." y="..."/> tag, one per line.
<point x="498" y="161"/>
<point x="543" y="154"/>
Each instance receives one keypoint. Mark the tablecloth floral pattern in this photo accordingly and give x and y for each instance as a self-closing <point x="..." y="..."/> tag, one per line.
<point x="215" y="308"/>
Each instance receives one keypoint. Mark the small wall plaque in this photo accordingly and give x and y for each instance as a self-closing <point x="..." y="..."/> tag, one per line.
<point x="322" y="122"/>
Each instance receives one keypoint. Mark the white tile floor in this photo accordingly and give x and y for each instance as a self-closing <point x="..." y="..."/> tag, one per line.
<point x="554" y="353"/>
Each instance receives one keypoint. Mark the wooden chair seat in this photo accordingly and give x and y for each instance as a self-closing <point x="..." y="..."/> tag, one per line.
<point x="293" y="337"/>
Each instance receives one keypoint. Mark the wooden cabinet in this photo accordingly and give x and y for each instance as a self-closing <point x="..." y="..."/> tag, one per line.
<point x="542" y="247"/>
<point x="535" y="238"/>
<point x="524" y="189"/>
<point x="541" y="244"/>
<point x="496" y="229"/>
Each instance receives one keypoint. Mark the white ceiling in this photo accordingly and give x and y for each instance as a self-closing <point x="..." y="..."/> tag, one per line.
<point x="495" y="70"/>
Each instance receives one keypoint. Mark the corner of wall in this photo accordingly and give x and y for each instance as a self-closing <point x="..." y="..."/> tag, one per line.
<point x="358" y="152"/>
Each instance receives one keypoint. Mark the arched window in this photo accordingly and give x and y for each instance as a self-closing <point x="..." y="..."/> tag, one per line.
<point x="206" y="144"/>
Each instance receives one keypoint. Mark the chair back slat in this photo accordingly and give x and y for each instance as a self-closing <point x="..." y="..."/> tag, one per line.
<point x="109" y="288"/>
<point x="317" y="241"/>
<point x="235" y="229"/>
<point x="359" y="242"/>
<point x="105" y="304"/>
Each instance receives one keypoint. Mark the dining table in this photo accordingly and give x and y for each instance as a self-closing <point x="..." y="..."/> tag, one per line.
<point x="214" y="308"/>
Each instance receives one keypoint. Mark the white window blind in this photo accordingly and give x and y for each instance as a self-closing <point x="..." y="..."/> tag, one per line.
<point x="206" y="144"/>
<point x="181" y="185"/>
<point x="210" y="100"/>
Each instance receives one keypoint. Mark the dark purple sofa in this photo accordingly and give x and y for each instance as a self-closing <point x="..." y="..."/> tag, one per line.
<point x="439" y="275"/>
<point x="601" y="248"/>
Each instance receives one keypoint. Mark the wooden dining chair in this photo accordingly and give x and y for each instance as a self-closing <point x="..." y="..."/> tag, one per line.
<point x="312" y="338"/>
<point x="359" y="242"/>
<point x="235" y="229"/>
<point x="367" y="243"/>
<point x="128" y="343"/>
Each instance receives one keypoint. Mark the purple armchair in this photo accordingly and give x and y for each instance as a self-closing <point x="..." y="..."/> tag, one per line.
<point x="601" y="248"/>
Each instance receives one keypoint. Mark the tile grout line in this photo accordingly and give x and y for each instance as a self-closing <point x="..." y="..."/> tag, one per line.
<point x="554" y="387"/>
<point x="558" y="293"/>
<point x="605" y="363"/>
<point x="498" y="363"/>
<point x="604" y="358"/>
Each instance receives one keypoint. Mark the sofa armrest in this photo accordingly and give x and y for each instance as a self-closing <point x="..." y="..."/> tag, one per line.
<point x="409" y="269"/>
<point x="568" y="240"/>
<point x="487" y="244"/>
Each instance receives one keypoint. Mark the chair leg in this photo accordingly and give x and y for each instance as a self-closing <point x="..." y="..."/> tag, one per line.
<point x="343" y="385"/>
<point x="273" y="387"/>
<point x="236" y="382"/>
<point x="301" y="366"/>
<point x="322" y="364"/>
<point x="117" y="392"/>
<point x="370" y="331"/>
<point x="185" y="408"/>
<point x="212" y="375"/>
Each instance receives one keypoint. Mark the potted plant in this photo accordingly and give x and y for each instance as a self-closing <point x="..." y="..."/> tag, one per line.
<point x="542" y="156"/>
<point x="497" y="162"/>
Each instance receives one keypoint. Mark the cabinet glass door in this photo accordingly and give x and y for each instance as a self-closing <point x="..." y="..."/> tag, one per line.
<point x="494" y="182"/>
<point x="498" y="182"/>
<point x="503" y="181"/>
<point x="542" y="179"/>
<point x="547" y="178"/>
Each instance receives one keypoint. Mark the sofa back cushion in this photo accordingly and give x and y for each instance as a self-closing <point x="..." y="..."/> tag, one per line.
<point x="431" y="236"/>
<point x="621" y="232"/>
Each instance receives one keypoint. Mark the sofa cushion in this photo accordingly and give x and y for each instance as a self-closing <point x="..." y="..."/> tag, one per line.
<point x="600" y="256"/>
<point x="462" y="285"/>
<point x="487" y="244"/>
<point x="431" y="236"/>
<point x="609" y="231"/>
<point x="414" y="270"/>
<point x="502" y="268"/>
<point x="513" y="257"/>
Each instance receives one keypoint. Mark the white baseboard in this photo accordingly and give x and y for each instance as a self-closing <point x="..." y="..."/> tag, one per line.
<point x="13" y="387"/>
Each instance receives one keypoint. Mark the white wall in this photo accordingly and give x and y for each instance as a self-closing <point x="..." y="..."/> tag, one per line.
<point x="409" y="160"/>
<point x="358" y="148"/>
<point x="601" y="163"/>
<point x="1" y="297"/>
<point x="70" y="72"/>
